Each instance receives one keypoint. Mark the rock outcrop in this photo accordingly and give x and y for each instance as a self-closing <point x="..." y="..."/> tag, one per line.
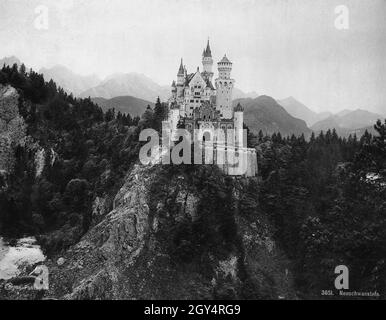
<point x="140" y="250"/>
<point x="12" y="127"/>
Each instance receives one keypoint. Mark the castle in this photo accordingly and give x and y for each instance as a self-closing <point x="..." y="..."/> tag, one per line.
<point x="197" y="104"/>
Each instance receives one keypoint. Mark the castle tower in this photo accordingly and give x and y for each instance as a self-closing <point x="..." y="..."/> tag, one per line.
<point x="224" y="87"/>
<point x="174" y="116"/>
<point x="238" y="121"/>
<point x="180" y="80"/>
<point x="174" y="90"/>
<point x="207" y="62"/>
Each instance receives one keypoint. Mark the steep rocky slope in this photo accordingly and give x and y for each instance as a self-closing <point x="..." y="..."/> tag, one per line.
<point x="162" y="241"/>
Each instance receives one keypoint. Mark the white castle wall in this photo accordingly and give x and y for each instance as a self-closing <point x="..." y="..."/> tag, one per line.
<point x="231" y="160"/>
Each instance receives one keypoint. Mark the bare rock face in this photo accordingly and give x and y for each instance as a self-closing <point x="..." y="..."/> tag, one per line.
<point x="12" y="127"/>
<point x="133" y="253"/>
<point x="99" y="209"/>
<point x="8" y="103"/>
<point x="109" y="249"/>
<point x="13" y="133"/>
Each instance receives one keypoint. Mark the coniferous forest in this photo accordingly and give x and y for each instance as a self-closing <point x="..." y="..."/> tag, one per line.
<point x="324" y="195"/>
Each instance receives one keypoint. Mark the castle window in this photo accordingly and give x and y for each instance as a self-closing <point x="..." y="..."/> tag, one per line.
<point x="206" y="136"/>
<point x="191" y="100"/>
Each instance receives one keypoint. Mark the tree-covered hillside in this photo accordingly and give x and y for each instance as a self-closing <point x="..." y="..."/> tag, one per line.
<point x="86" y="153"/>
<point x="327" y="200"/>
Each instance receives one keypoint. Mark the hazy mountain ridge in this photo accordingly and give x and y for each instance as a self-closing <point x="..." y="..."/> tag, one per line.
<point x="348" y="122"/>
<point x="9" y="61"/>
<point x="115" y="85"/>
<point x="68" y="80"/>
<point x="298" y="110"/>
<point x="125" y="104"/>
<point x="64" y="77"/>
<point x="345" y="122"/>
<point x="264" y="113"/>
<point x="239" y="94"/>
<point x="128" y="84"/>
<point x="142" y="87"/>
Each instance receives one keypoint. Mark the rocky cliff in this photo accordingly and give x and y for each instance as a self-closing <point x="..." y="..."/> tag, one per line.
<point x="12" y="128"/>
<point x="165" y="239"/>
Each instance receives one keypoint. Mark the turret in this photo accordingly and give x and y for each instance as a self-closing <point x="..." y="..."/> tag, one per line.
<point x="224" y="88"/>
<point x="174" y="89"/>
<point x="224" y="68"/>
<point x="180" y="79"/>
<point x="238" y="121"/>
<point x="180" y="74"/>
<point x="207" y="62"/>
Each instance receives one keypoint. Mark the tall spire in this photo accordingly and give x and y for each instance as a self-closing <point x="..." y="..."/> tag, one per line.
<point x="207" y="52"/>
<point x="181" y="69"/>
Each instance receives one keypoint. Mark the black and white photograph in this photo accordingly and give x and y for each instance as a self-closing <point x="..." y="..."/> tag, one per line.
<point x="194" y="155"/>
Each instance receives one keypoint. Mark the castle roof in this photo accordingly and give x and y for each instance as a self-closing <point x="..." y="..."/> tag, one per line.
<point x="181" y="70"/>
<point x="207" y="52"/>
<point x="189" y="77"/>
<point x="239" y="108"/>
<point x="225" y="59"/>
<point x="173" y="83"/>
<point x="209" y="84"/>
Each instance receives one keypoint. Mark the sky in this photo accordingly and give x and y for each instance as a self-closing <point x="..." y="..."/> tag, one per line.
<point x="327" y="59"/>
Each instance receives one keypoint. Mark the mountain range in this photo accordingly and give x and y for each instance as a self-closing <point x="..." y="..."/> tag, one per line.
<point x="140" y="86"/>
<point x="9" y="61"/>
<point x="124" y="104"/>
<point x="299" y="110"/>
<point x="128" y="84"/>
<point x="264" y="113"/>
<point x="118" y="84"/>
<point x="239" y="94"/>
<point x="68" y="80"/>
<point x="348" y="122"/>
<point x="345" y="122"/>
<point x="133" y="92"/>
